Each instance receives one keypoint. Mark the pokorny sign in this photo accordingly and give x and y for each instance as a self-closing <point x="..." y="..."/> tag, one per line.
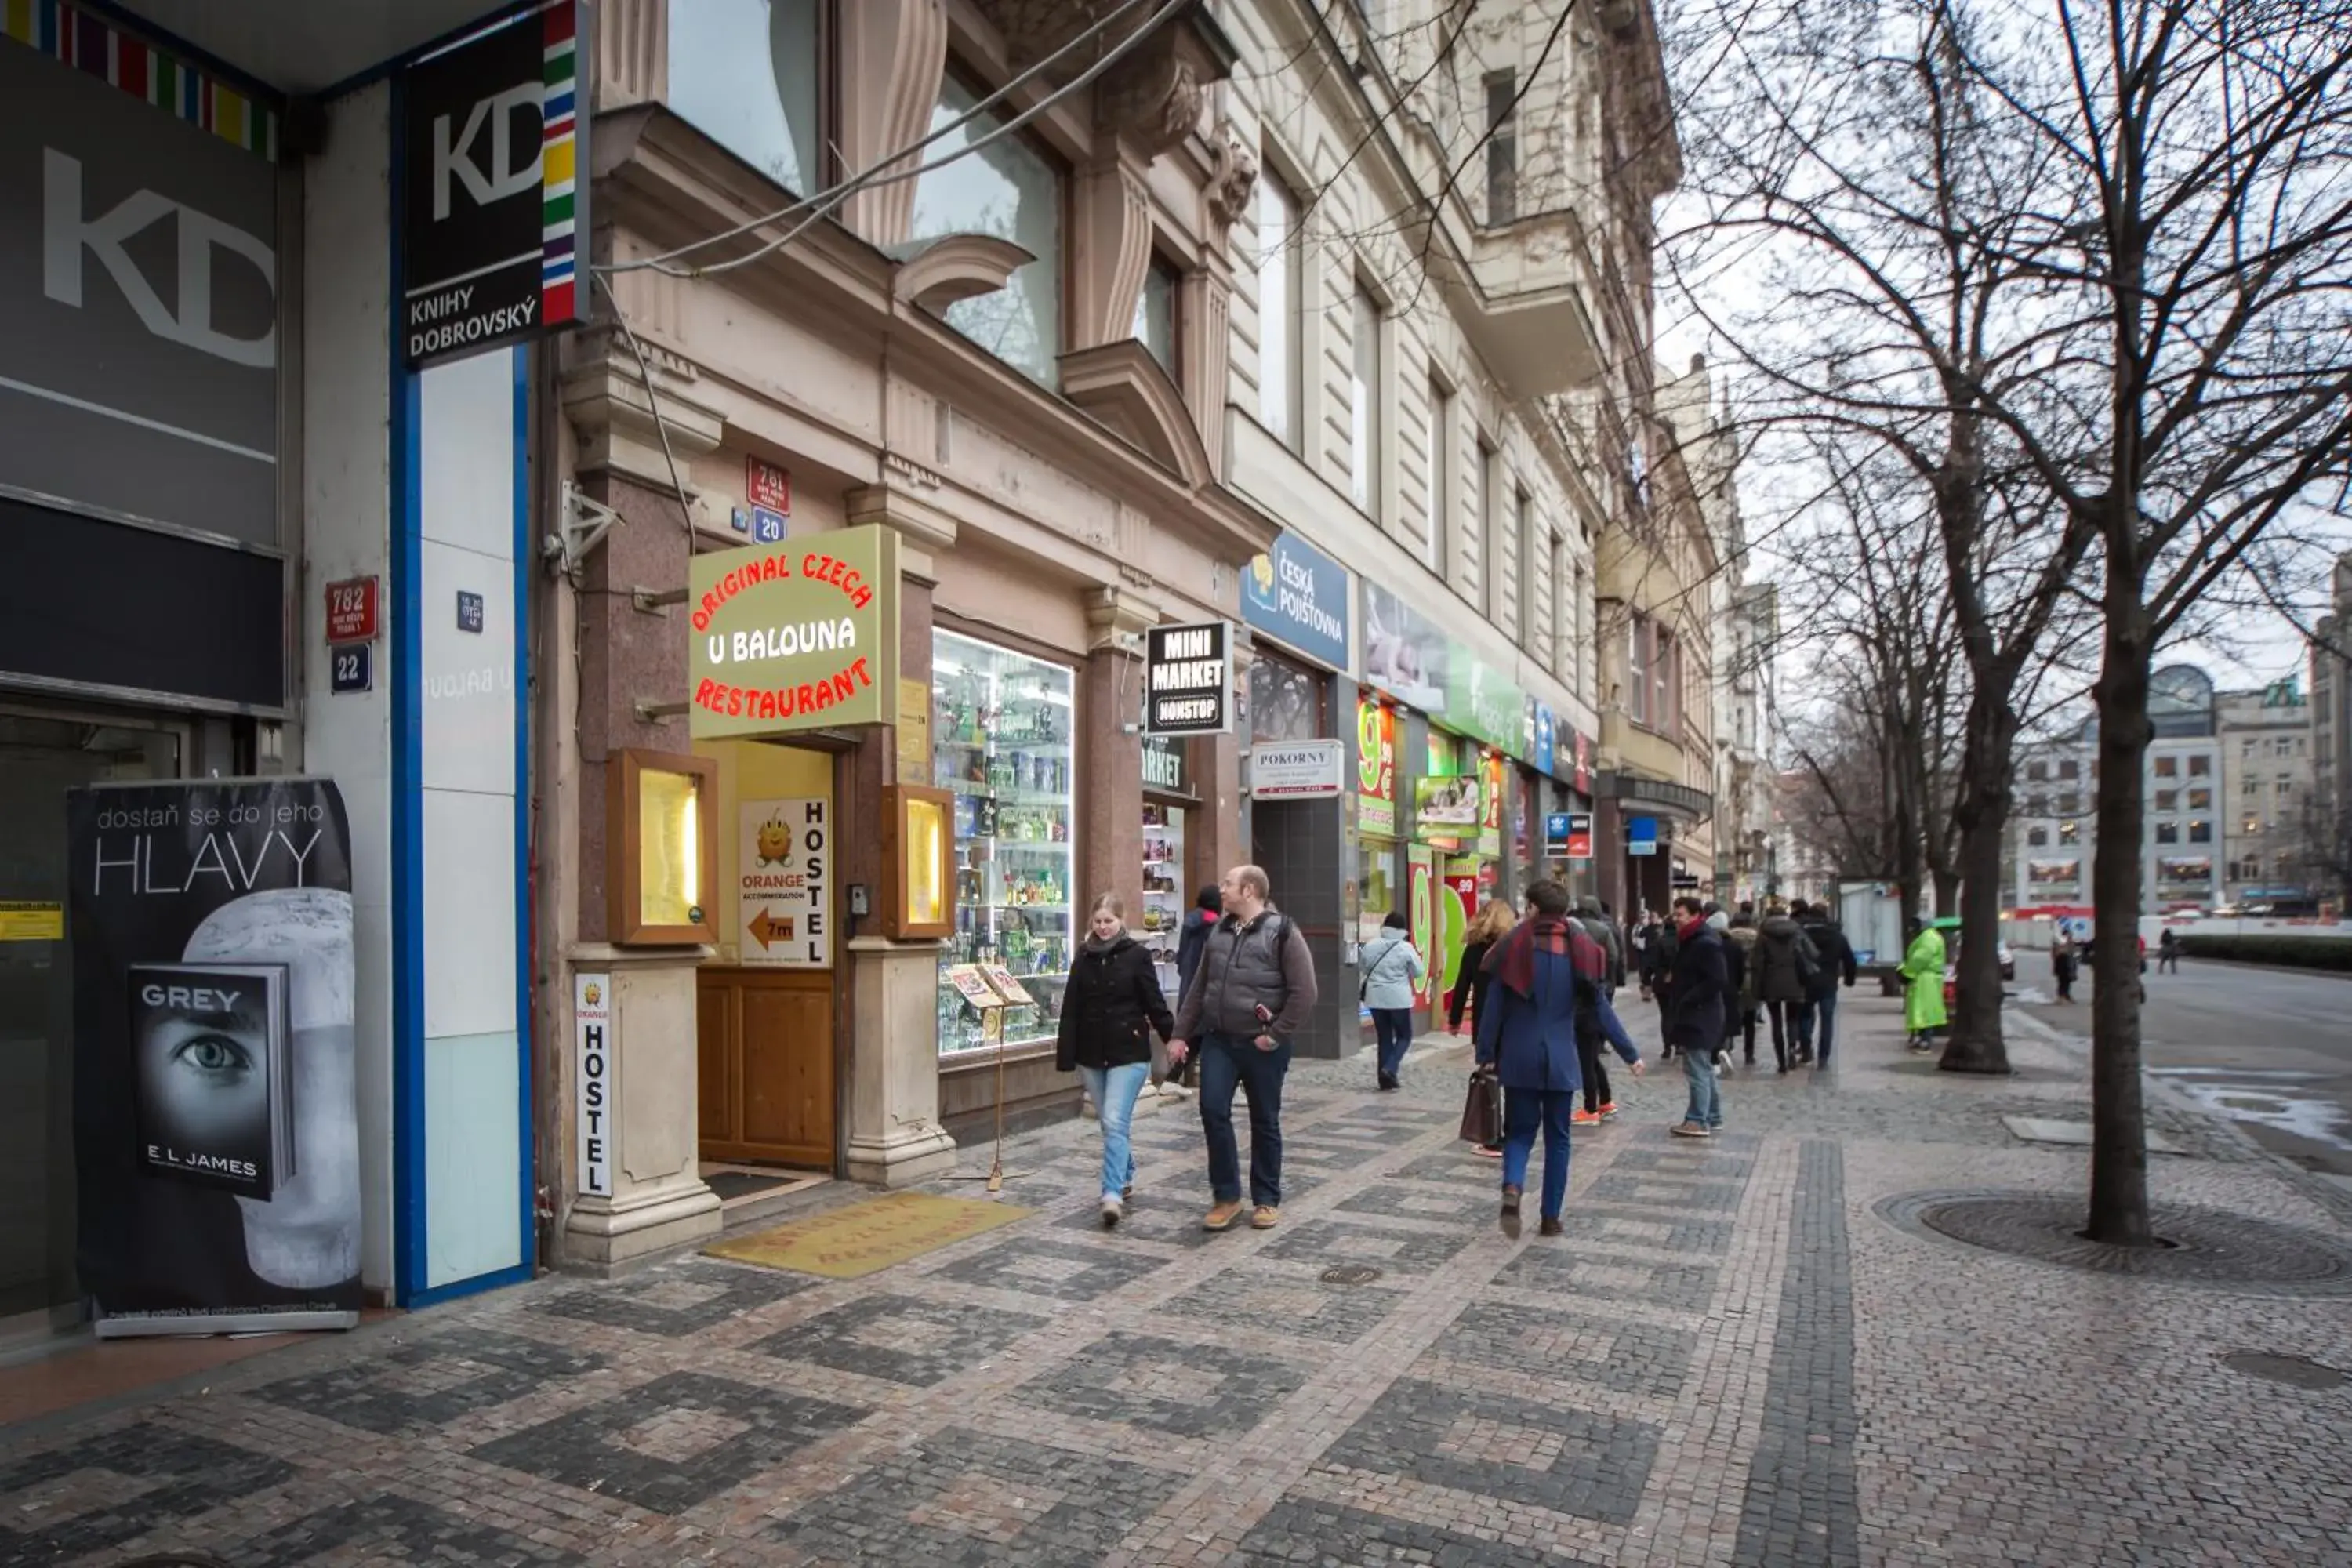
<point x="1297" y="769"/>
<point x="491" y="141"/>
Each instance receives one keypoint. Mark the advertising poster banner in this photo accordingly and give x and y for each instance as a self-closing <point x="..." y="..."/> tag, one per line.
<point x="1457" y="901"/>
<point x="1409" y="657"/>
<point x="1447" y="805"/>
<point x="1420" y="912"/>
<point x="784" y="883"/>
<point x="1376" y="768"/>
<point x="216" y="1106"/>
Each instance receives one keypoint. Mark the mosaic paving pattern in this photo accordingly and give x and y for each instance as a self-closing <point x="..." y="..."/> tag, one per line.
<point x="1715" y="1368"/>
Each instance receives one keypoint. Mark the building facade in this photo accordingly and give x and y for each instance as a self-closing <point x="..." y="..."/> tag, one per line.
<point x="1129" y="344"/>
<point x="2267" y="783"/>
<point x="2330" y="817"/>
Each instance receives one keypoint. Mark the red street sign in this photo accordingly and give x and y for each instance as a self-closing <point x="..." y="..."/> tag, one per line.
<point x="350" y="610"/>
<point x="765" y="484"/>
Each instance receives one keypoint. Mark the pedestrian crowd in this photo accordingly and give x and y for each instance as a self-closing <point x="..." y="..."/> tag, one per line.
<point x="1538" y="988"/>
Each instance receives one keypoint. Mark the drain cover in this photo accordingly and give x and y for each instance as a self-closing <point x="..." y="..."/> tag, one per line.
<point x="2293" y="1370"/>
<point x="1349" y="1274"/>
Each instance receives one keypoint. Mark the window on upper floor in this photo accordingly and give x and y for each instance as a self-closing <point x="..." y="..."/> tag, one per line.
<point x="1523" y="597"/>
<point x="2037" y="805"/>
<point x="2285" y="788"/>
<point x="1435" y="553"/>
<point x="1502" y="146"/>
<point x="1364" y="417"/>
<point x="1156" y="321"/>
<point x="1665" y="664"/>
<point x="2283" y="746"/>
<point x="2167" y="767"/>
<point x="2200" y="799"/>
<point x="2200" y="765"/>
<point x="1278" y="279"/>
<point x="750" y="75"/>
<point x="2201" y="831"/>
<point x="2037" y="839"/>
<point x="2070" y="804"/>
<point x="2246" y="748"/>
<point x="2253" y="825"/>
<point x="2167" y="832"/>
<point x="2070" y="770"/>
<point x="2070" y="833"/>
<point x="2037" y="771"/>
<point x="2251" y="788"/>
<point x="1575" y="619"/>
<point x="1012" y="189"/>
<point x="1637" y="670"/>
<point x="2167" y="800"/>
<point x="1488" y="528"/>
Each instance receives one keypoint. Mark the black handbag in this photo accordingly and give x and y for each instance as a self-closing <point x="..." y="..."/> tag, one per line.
<point x="1482" y="1109"/>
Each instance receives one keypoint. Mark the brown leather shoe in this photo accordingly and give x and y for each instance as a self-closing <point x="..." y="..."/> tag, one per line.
<point x="1265" y="1217"/>
<point x="1549" y="1228"/>
<point x="1222" y="1218"/>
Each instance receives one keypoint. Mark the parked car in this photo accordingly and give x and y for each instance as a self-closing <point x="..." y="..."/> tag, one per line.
<point x="1950" y="926"/>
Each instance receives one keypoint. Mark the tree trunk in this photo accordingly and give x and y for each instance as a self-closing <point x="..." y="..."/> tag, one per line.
<point x="2118" y="1111"/>
<point x="1976" y="1044"/>
<point x="1947" y="893"/>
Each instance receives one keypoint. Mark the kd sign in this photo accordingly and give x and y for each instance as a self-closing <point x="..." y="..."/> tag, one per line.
<point x="454" y="157"/>
<point x="491" y="140"/>
<point x="72" y="235"/>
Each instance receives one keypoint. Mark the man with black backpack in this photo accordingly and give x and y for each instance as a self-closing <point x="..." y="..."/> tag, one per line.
<point x="1817" y="1019"/>
<point x="1254" y="990"/>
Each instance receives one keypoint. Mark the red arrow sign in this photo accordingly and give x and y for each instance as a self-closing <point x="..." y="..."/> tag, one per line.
<point x="770" y="929"/>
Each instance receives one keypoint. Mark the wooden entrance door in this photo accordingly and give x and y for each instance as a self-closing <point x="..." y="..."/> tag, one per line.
<point x="765" y="1058"/>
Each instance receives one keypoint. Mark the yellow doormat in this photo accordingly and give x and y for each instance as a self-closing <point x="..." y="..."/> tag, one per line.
<point x="852" y="1242"/>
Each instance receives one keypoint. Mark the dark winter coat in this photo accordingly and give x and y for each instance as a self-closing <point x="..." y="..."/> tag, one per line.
<point x="1110" y="1008"/>
<point x="1742" y="970"/>
<point x="1697" y="992"/>
<point x="1191" y="941"/>
<point x="1785" y="959"/>
<point x="1470" y="986"/>
<point x="1836" y="954"/>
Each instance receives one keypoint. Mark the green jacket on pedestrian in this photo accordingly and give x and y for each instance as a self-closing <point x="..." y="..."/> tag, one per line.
<point x="1923" y="978"/>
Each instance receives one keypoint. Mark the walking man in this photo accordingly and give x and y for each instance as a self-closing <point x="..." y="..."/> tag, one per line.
<point x="1694" y="1018"/>
<point x="1253" y="989"/>
<point x="1817" y="1022"/>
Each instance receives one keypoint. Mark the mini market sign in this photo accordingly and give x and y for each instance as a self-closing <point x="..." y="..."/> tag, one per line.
<point x="802" y="635"/>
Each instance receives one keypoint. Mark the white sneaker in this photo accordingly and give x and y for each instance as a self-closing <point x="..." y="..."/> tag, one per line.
<point x="1112" y="1212"/>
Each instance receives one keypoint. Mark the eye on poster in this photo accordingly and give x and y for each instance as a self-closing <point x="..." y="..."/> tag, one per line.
<point x="215" y="1105"/>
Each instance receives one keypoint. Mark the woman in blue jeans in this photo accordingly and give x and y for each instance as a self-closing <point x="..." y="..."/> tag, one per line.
<point x="1389" y="964"/>
<point x="1527" y="1036"/>
<point x="1110" y="1009"/>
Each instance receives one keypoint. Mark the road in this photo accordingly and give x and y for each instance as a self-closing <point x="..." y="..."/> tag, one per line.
<point x="2270" y="1048"/>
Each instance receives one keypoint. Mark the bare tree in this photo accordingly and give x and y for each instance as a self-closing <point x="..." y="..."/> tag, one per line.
<point x="2170" y="206"/>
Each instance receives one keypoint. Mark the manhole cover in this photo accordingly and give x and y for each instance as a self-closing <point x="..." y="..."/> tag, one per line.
<point x="1351" y="1274"/>
<point x="2204" y="1246"/>
<point x="2293" y="1370"/>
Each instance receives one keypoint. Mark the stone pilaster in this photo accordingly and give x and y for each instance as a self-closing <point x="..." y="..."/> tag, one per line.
<point x="1110" y="752"/>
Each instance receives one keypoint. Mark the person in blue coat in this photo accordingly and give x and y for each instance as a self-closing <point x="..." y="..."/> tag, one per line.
<point x="1527" y="1036"/>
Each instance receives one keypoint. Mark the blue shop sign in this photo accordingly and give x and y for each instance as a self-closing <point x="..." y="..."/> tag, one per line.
<point x="1641" y="836"/>
<point x="1542" y="729"/>
<point x="1299" y="595"/>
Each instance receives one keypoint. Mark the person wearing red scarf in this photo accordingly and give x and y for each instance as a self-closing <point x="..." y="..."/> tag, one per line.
<point x="1527" y="1037"/>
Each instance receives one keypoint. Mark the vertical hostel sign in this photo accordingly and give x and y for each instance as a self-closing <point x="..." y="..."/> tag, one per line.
<point x="215" y="1084"/>
<point x="492" y="140"/>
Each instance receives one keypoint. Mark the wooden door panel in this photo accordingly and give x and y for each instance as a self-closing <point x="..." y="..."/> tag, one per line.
<point x="787" y="1065"/>
<point x="764" y="1056"/>
<point x="714" y="1028"/>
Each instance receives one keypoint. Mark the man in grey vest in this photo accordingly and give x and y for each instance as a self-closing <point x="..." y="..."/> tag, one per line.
<point x="1252" y="993"/>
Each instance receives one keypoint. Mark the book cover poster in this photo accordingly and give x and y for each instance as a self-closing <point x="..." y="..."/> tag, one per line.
<point x="215" y="1108"/>
<point x="208" y="1060"/>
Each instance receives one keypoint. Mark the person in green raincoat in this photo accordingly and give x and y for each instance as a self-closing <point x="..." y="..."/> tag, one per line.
<point x="1923" y="985"/>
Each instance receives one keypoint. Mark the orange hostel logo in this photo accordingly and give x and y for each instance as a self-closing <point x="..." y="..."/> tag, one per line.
<point x="795" y="636"/>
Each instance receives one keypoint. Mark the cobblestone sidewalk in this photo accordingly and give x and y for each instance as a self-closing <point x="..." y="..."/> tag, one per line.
<point x="1730" y="1359"/>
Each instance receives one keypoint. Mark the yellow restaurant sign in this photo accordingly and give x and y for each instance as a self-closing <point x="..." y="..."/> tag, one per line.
<point x="802" y="635"/>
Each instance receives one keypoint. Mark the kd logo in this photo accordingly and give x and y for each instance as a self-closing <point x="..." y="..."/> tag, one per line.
<point x="66" y="233"/>
<point x="503" y="179"/>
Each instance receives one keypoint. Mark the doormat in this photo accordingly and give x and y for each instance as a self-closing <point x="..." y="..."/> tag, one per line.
<point x="850" y="1243"/>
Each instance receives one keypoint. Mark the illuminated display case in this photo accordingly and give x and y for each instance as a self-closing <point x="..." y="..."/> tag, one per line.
<point x="918" y="857"/>
<point x="1002" y="741"/>
<point x="662" y="858"/>
<point x="1162" y="923"/>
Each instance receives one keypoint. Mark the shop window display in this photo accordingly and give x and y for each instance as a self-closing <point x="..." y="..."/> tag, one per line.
<point x="1001" y="745"/>
<point x="1165" y="898"/>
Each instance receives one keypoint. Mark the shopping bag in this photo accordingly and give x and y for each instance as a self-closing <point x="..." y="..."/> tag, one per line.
<point x="1482" y="1109"/>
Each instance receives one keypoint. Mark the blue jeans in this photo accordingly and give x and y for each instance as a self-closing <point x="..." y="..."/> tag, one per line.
<point x="1227" y="1062"/>
<point x="1394" y="1026"/>
<point x="1820" y="1007"/>
<point x="1705" y="1093"/>
<point x="1525" y="1111"/>
<point x="1114" y="1092"/>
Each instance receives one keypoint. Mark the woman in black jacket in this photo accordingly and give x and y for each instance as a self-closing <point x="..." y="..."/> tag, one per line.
<point x="1473" y="980"/>
<point x="1108" y="1011"/>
